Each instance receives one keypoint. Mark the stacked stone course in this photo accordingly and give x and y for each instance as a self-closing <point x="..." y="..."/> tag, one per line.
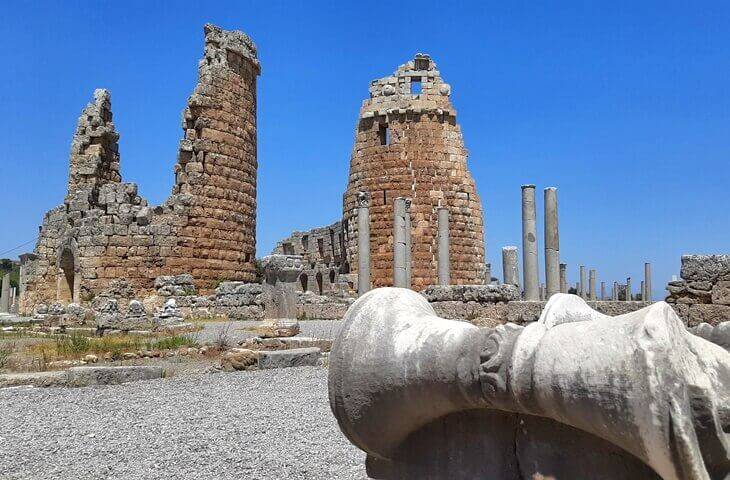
<point x="408" y="144"/>
<point x="106" y="232"/>
<point x="703" y="293"/>
<point x="323" y="257"/>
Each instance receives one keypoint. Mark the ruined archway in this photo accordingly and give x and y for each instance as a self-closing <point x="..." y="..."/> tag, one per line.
<point x="66" y="282"/>
<point x="303" y="280"/>
<point x="68" y="275"/>
<point x="320" y="286"/>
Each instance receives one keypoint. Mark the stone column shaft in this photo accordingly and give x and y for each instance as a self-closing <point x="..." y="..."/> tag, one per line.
<point x="409" y="243"/>
<point x="487" y="273"/>
<point x="529" y="244"/>
<point x="603" y="290"/>
<point x="628" y="289"/>
<point x="564" y="277"/>
<point x="647" y="281"/>
<point x="510" y="268"/>
<point x="5" y="294"/>
<point x="591" y="284"/>
<point x="643" y="291"/>
<point x="552" y="242"/>
<point x="363" y="243"/>
<point x="582" y="289"/>
<point x="614" y="292"/>
<point x="444" y="261"/>
<point x="399" y="244"/>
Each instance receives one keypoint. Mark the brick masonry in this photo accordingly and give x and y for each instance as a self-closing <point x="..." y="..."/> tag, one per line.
<point x="105" y="231"/>
<point x="408" y="144"/>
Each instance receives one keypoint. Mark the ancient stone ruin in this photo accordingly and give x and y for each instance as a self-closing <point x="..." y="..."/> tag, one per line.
<point x="104" y="231"/>
<point x="575" y="395"/>
<point x="407" y="145"/>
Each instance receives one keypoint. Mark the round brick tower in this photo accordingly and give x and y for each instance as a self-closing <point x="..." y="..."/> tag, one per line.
<point x="408" y="144"/>
<point x="217" y="163"/>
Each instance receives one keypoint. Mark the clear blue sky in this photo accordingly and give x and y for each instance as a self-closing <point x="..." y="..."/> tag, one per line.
<point x="624" y="106"/>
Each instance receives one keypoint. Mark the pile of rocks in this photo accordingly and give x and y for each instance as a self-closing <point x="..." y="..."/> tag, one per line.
<point x="703" y="293"/>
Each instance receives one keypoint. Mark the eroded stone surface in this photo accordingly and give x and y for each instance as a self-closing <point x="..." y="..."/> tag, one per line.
<point x="105" y="232"/>
<point x="588" y="392"/>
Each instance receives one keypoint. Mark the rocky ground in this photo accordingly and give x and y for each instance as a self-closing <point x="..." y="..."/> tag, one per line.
<point x="273" y="424"/>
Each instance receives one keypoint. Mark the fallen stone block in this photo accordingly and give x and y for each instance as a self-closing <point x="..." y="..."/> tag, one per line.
<point x="87" y="376"/>
<point x="239" y="359"/>
<point x="35" y="379"/>
<point x="296" y="357"/>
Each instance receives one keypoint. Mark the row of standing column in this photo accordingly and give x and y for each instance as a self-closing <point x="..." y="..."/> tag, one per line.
<point x="555" y="272"/>
<point x="402" y="244"/>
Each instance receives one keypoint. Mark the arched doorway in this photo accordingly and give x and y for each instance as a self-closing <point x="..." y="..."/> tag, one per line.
<point x="66" y="282"/>
<point x="320" y="287"/>
<point x="303" y="280"/>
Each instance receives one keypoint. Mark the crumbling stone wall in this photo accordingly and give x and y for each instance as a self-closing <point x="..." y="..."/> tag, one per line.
<point x="324" y="263"/>
<point x="106" y="232"/>
<point x="703" y="293"/>
<point x="408" y="144"/>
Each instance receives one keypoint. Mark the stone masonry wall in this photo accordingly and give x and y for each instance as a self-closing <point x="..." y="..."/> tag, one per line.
<point x="105" y="232"/>
<point x="703" y="294"/>
<point x="408" y="144"/>
<point x="323" y="263"/>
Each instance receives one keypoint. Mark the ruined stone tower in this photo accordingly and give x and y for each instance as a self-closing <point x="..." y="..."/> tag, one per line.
<point x="217" y="161"/>
<point x="408" y="144"/>
<point x="106" y="240"/>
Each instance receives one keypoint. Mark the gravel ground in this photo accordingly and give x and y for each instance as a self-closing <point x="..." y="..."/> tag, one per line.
<point x="273" y="424"/>
<point x="327" y="329"/>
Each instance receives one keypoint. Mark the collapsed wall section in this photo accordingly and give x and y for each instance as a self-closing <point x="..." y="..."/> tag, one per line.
<point x="105" y="234"/>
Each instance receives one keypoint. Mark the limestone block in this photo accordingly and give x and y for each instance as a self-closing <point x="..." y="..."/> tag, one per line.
<point x="239" y="359"/>
<point x="296" y="357"/>
<point x="705" y="267"/>
<point x="471" y="293"/>
<point x="721" y="293"/>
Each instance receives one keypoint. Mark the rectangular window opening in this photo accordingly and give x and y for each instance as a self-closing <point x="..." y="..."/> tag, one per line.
<point x="384" y="134"/>
<point x="416" y="86"/>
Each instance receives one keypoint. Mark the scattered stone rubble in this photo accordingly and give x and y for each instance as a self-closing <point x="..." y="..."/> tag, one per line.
<point x="703" y="293"/>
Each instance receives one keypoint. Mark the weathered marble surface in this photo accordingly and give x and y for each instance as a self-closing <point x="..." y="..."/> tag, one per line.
<point x="575" y="395"/>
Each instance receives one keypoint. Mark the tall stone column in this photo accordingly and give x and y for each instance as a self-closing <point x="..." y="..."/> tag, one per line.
<point x="509" y="266"/>
<point x="628" y="289"/>
<point x="487" y="273"/>
<point x="529" y="244"/>
<point x="643" y="291"/>
<point x="564" y="277"/>
<point x="592" y="284"/>
<point x="363" y="242"/>
<point x="647" y="282"/>
<point x="5" y="294"/>
<point x="444" y="262"/>
<point x="409" y="243"/>
<point x="400" y="278"/>
<point x="614" y="292"/>
<point x="552" y="242"/>
<point x="603" y="290"/>
<point x="582" y="289"/>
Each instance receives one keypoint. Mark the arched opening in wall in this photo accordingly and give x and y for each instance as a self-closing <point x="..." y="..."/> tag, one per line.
<point x="332" y="276"/>
<point x="304" y="281"/>
<point x="320" y="287"/>
<point x="66" y="276"/>
<point x="346" y="267"/>
<point x="305" y="242"/>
